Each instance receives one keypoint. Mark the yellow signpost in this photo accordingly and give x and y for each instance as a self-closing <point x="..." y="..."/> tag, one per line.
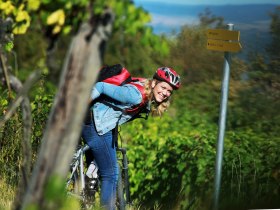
<point x="219" y="45"/>
<point x="223" y="40"/>
<point x="222" y="34"/>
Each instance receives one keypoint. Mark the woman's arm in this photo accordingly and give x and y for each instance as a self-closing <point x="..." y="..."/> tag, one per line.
<point x="124" y="94"/>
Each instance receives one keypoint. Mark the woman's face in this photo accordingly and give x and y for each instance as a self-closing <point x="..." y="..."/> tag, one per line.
<point x="161" y="90"/>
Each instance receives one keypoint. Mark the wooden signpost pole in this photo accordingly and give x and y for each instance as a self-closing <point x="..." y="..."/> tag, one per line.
<point x="226" y="41"/>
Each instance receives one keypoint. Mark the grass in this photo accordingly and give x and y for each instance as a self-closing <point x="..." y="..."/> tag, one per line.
<point x="6" y="195"/>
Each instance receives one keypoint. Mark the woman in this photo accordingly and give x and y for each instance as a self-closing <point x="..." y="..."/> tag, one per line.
<point x="115" y="105"/>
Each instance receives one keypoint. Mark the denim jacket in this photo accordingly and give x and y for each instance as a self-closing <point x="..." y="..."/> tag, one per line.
<point x="105" y="116"/>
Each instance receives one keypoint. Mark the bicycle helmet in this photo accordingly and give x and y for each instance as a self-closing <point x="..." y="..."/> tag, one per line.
<point x="168" y="75"/>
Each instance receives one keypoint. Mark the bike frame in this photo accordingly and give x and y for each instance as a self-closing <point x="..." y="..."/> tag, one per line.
<point x="79" y="162"/>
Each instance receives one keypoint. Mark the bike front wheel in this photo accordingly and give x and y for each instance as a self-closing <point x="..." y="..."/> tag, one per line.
<point x="120" y="191"/>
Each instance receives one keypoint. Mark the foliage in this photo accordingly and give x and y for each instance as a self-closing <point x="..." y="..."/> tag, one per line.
<point x="19" y="12"/>
<point x="6" y="194"/>
<point x="188" y="49"/>
<point x="176" y="163"/>
<point x="11" y="133"/>
<point x="40" y="111"/>
<point x="56" y="197"/>
<point x="259" y="99"/>
<point x="56" y="21"/>
<point x="274" y="54"/>
<point x="10" y="149"/>
<point x="10" y="145"/>
<point x="246" y="179"/>
<point x="140" y="60"/>
<point x="173" y="160"/>
<point x="208" y="19"/>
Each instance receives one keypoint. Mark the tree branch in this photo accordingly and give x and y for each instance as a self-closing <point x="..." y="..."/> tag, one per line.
<point x="81" y="67"/>
<point x="5" y="73"/>
<point x="21" y="94"/>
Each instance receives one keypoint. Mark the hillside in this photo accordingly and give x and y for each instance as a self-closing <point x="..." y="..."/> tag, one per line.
<point x="253" y="21"/>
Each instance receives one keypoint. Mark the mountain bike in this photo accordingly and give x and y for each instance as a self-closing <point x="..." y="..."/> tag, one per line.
<point x="83" y="181"/>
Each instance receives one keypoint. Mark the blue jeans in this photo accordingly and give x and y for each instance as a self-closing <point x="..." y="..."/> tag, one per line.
<point x="105" y="156"/>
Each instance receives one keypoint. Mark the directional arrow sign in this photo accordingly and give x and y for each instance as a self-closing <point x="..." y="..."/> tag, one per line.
<point x="225" y="46"/>
<point x="222" y="34"/>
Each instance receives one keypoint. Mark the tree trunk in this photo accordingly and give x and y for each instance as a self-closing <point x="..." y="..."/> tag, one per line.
<point x="80" y="70"/>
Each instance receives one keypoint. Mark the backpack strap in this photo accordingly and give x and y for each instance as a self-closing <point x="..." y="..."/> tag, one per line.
<point x="143" y="110"/>
<point x="135" y="112"/>
<point x="115" y="133"/>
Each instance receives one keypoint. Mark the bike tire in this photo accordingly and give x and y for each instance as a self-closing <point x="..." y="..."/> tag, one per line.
<point x="73" y="185"/>
<point x="121" y="203"/>
<point x="126" y="180"/>
<point x="76" y="189"/>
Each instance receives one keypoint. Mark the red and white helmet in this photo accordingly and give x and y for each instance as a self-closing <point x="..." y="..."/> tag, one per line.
<point x="168" y="75"/>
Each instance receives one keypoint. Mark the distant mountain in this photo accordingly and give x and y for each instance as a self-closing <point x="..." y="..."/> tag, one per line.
<point x="253" y="21"/>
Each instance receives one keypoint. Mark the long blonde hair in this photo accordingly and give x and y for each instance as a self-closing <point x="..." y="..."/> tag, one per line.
<point x="157" y="109"/>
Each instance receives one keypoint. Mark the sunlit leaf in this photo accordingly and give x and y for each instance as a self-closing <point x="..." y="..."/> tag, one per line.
<point x="7" y="7"/>
<point x="56" y="29"/>
<point x="22" y="16"/>
<point x="67" y="29"/>
<point x="4" y="102"/>
<point x="56" y="17"/>
<point x="131" y="9"/>
<point x="33" y="5"/>
<point x="21" y="7"/>
<point x="68" y="5"/>
<point x="21" y="28"/>
<point x="9" y="46"/>
<point x="145" y="17"/>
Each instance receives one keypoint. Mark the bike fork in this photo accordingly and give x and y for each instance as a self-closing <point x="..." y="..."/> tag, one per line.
<point x="82" y="172"/>
<point x="126" y="177"/>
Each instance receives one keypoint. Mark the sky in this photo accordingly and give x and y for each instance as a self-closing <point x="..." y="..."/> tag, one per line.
<point x="163" y="19"/>
<point x="211" y="2"/>
<point x="169" y="16"/>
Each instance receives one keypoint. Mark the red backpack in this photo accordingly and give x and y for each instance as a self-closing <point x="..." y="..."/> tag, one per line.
<point x="118" y="75"/>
